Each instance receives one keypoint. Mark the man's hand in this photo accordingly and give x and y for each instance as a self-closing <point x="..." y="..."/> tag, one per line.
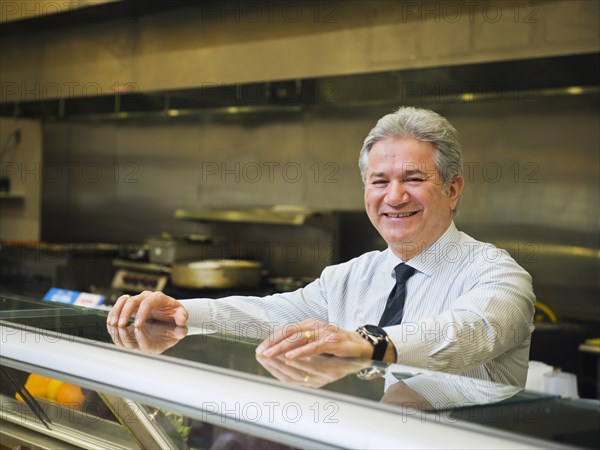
<point x="313" y="337"/>
<point x="151" y="337"/>
<point x="311" y="372"/>
<point x="144" y="306"/>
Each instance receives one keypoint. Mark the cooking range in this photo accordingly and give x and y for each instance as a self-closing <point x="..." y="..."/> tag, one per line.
<point x="193" y="266"/>
<point x="247" y="251"/>
<point x="254" y="251"/>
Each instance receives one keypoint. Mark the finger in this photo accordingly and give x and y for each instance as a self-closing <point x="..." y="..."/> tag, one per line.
<point x="274" y="368"/>
<point x="115" y="312"/>
<point x="142" y="338"/>
<point x="124" y="308"/>
<point x="131" y="307"/>
<point x="341" y="343"/>
<point x="301" y="367"/>
<point x="166" y="331"/>
<point x="128" y="338"/>
<point x="290" y="373"/>
<point x="160" y="307"/>
<point x="180" y="316"/>
<point x="310" y="349"/>
<point x="324" y="370"/>
<point x="299" y="378"/>
<point x="291" y="341"/>
<point x="280" y="334"/>
<point x="290" y="335"/>
<point x="317" y="338"/>
<point x="331" y="339"/>
<point x="179" y="332"/>
<point x="296" y="372"/>
<point x="114" y="334"/>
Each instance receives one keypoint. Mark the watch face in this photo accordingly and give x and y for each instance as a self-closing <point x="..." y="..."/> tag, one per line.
<point x="370" y="373"/>
<point x="375" y="330"/>
<point x="378" y="339"/>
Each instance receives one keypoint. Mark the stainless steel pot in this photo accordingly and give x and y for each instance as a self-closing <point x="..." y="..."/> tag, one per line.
<point x="217" y="274"/>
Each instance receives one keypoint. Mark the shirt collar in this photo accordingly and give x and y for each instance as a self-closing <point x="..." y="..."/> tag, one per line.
<point x="428" y="260"/>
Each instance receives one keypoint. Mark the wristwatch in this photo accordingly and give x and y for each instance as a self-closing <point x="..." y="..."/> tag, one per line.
<point x="378" y="339"/>
<point x="371" y="373"/>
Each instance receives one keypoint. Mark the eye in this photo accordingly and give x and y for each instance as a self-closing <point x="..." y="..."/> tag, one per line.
<point x="375" y="182"/>
<point x="415" y="180"/>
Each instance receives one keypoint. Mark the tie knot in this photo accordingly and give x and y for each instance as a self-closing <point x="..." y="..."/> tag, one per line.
<point x="403" y="272"/>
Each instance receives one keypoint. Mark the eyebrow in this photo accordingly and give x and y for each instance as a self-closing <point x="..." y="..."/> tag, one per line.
<point x="407" y="173"/>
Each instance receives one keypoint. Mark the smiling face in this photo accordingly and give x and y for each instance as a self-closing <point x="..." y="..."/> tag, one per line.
<point x="404" y="196"/>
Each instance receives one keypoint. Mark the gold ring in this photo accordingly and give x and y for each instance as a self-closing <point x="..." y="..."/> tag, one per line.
<point x="309" y="336"/>
<point x="307" y="378"/>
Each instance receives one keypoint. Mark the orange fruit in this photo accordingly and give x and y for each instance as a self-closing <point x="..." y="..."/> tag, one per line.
<point x="70" y="395"/>
<point x="66" y="394"/>
<point x="37" y="385"/>
<point x="53" y="387"/>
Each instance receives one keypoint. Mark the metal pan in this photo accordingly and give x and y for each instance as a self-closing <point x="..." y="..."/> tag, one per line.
<point x="217" y="274"/>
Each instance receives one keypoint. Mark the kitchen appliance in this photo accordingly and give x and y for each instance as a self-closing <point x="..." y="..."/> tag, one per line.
<point x="235" y="251"/>
<point x="149" y="266"/>
<point x="168" y="249"/>
<point x="135" y="276"/>
<point x="186" y="266"/>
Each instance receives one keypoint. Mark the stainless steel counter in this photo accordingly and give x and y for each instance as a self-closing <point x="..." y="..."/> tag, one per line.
<point x="159" y="376"/>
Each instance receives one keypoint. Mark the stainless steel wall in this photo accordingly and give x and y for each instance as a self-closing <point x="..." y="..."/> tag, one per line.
<point x="531" y="170"/>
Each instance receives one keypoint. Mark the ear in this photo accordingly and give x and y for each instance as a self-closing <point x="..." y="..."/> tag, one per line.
<point x="454" y="189"/>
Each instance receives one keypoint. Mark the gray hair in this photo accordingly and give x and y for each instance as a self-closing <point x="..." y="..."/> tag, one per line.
<point x="424" y="125"/>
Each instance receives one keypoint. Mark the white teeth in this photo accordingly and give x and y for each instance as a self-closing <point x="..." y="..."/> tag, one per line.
<point x="395" y="216"/>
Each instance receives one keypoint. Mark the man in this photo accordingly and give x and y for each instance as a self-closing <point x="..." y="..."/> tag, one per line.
<point x="463" y="306"/>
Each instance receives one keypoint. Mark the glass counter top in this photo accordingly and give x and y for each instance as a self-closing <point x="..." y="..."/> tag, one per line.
<point x="431" y="396"/>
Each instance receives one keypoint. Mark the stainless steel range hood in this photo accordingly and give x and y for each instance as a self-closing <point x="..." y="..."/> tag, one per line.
<point x="280" y="99"/>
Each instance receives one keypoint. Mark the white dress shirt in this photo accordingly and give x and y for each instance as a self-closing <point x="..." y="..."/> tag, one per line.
<point x="469" y="307"/>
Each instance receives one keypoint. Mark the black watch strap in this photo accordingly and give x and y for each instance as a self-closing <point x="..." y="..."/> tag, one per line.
<point x="378" y="339"/>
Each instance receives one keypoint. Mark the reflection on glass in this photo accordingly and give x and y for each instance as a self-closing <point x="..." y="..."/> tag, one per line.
<point x="431" y="391"/>
<point x="441" y="391"/>
<point x="234" y="349"/>
<point x="151" y="337"/>
<point x="315" y="372"/>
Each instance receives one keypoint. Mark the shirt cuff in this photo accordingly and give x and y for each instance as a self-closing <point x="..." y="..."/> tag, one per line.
<point x="408" y="352"/>
<point x="198" y="310"/>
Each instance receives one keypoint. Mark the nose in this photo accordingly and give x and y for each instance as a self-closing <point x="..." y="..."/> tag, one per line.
<point x="396" y="194"/>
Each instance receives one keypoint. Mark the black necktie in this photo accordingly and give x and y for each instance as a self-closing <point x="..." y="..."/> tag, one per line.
<point x="392" y="315"/>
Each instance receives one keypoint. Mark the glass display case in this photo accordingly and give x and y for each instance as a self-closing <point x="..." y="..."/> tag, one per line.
<point x="69" y="381"/>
